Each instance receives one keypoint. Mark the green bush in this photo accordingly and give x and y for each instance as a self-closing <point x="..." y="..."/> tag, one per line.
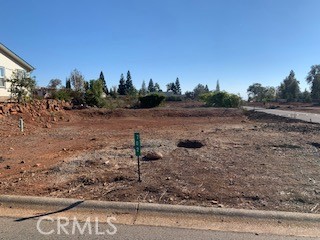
<point x="150" y="101"/>
<point x="62" y="94"/>
<point x="93" y="96"/>
<point x="221" y="99"/>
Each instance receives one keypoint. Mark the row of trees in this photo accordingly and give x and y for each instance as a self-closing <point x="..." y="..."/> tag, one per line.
<point x="289" y="89"/>
<point x="77" y="82"/>
<point x="93" y="92"/>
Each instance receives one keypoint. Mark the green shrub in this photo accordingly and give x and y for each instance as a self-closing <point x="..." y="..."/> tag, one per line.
<point x="62" y="94"/>
<point x="150" y="101"/>
<point x="221" y="99"/>
<point x="93" y="96"/>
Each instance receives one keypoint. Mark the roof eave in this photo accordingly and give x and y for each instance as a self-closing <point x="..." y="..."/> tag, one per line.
<point x="15" y="57"/>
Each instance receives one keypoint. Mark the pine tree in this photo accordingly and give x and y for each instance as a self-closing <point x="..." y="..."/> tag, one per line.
<point x="143" y="91"/>
<point x="129" y="85"/>
<point x="122" y="85"/>
<point x="68" y="84"/>
<point x="157" y="87"/>
<point x="171" y="87"/>
<point x="289" y="88"/>
<point x="218" y="86"/>
<point x="177" y="87"/>
<point x="151" y="86"/>
<point x="104" y="84"/>
<point x="206" y="88"/>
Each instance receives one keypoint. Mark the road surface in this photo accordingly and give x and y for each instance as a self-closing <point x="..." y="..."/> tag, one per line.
<point x="308" y="117"/>
<point x="21" y="230"/>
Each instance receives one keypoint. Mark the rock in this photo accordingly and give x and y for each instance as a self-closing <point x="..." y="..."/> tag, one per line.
<point x="8" y="167"/>
<point x="13" y="112"/>
<point x="37" y="165"/>
<point x="153" y="155"/>
<point x="48" y="125"/>
<point x="22" y="162"/>
<point x="214" y="202"/>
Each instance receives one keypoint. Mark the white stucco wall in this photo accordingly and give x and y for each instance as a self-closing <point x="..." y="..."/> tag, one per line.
<point x="9" y="66"/>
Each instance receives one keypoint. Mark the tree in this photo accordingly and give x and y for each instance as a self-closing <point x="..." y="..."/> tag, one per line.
<point x="113" y="92"/>
<point x="171" y="87"/>
<point x="289" y="88"/>
<point x="54" y="83"/>
<point x="93" y="95"/>
<point x="315" y="89"/>
<point x="129" y="89"/>
<point x="306" y="96"/>
<point x="259" y="93"/>
<point x="218" y="86"/>
<point x="86" y="85"/>
<point x="177" y="87"/>
<point x="77" y="80"/>
<point x="255" y="92"/>
<point x="269" y="94"/>
<point x="104" y="84"/>
<point x="151" y="86"/>
<point x="68" y="84"/>
<point x="157" y="87"/>
<point x="122" y="86"/>
<point x="207" y="88"/>
<point x="22" y="85"/>
<point x="199" y="90"/>
<point x="143" y="91"/>
<point x="313" y="78"/>
<point x="189" y="94"/>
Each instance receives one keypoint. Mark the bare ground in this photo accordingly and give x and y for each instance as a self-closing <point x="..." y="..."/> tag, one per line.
<point x="250" y="160"/>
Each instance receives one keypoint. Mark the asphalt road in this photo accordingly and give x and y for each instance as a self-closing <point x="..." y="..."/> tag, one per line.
<point x="10" y="228"/>
<point x="308" y="117"/>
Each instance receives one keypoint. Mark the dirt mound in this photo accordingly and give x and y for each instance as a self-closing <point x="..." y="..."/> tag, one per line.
<point x="162" y="112"/>
<point x="190" y="144"/>
<point x="304" y="128"/>
<point x="269" y="118"/>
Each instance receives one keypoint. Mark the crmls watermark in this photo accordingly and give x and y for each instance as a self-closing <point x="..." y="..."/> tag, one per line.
<point x="73" y="226"/>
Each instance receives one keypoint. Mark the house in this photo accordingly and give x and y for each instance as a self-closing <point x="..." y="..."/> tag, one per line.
<point x="9" y="62"/>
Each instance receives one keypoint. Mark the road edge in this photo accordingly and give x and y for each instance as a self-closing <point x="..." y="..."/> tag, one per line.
<point x="30" y="202"/>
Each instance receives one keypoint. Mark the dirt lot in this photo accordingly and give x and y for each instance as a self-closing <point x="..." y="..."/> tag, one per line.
<point x="249" y="160"/>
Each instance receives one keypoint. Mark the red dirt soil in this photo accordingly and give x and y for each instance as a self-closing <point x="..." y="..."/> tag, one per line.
<point x="246" y="161"/>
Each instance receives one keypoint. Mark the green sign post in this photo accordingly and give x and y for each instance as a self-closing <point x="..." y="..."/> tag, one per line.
<point x="137" y="144"/>
<point x="137" y="148"/>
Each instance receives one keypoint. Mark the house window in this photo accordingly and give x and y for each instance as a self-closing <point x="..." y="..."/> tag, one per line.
<point x="2" y="78"/>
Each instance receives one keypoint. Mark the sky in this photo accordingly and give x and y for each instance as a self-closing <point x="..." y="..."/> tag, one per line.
<point x="238" y="42"/>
